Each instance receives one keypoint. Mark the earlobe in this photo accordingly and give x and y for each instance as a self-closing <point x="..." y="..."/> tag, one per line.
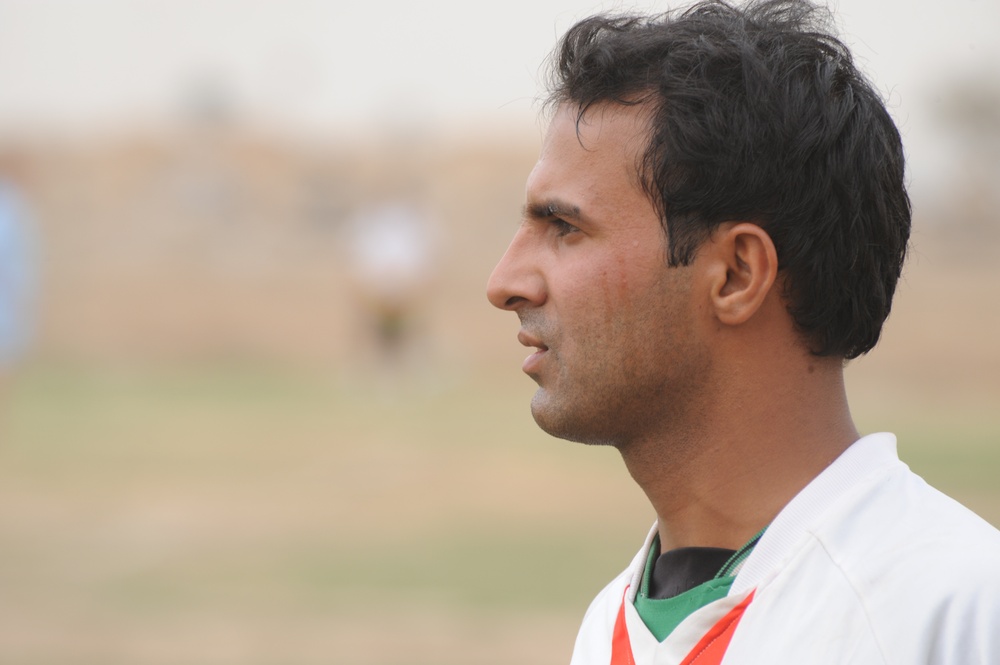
<point x="746" y="270"/>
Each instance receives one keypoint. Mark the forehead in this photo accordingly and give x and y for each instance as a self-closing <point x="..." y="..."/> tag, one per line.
<point x="593" y="158"/>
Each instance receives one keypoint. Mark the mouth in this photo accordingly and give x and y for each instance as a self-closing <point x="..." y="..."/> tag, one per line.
<point x="532" y="362"/>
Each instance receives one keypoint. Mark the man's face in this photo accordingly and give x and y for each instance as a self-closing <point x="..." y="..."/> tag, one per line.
<point x="613" y="328"/>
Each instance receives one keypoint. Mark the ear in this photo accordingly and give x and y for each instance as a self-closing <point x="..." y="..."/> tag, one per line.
<point x="744" y="267"/>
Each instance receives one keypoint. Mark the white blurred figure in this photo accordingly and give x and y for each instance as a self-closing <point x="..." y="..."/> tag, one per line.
<point x="392" y="251"/>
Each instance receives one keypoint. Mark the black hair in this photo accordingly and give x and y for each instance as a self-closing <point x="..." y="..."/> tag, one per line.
<point x="758" y="113"/>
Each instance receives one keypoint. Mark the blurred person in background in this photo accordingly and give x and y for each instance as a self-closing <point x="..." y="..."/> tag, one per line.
<point x="715" y="225"/>
<point x="392" y="248"/>
<point x="17" y="272"/>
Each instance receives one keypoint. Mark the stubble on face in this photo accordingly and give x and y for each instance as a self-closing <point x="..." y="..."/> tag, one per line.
<point x="629" y="376"/>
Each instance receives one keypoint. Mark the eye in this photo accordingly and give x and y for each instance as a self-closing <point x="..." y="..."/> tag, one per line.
<point x="562" y="227"/>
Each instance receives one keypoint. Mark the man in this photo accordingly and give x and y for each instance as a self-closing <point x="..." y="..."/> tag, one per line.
<point x="716" y="222"/>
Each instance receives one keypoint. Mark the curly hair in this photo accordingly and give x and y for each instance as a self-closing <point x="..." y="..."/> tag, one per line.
<point x="759" y="114"/>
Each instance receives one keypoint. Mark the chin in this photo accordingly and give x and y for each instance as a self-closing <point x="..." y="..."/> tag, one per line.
<point x="564" y="424"/>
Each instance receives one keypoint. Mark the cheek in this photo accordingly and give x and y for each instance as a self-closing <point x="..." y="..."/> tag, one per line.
<point x="607" y="293"/>
<point x="634" y="279"/>
<point x="616" y="303"/>
<point x="612" y="294"/>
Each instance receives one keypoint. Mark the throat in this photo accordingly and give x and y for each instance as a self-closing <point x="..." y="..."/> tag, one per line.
<point x="684" y="568"/>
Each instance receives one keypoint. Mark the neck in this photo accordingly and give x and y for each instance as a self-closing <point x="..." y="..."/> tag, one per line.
<point x="724" y="474"/>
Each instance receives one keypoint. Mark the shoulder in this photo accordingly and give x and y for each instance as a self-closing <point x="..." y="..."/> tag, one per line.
<point x="920" y="568"/>
<point x="871" y="564"/>
<point x="593" y="641"/>
<point x="928" y="576"/>
<point x="870" y="512"/>
<point x="899" y="522"/>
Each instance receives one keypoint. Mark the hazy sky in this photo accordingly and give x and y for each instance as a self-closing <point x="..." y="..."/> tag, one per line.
<point x="312" y="65"/>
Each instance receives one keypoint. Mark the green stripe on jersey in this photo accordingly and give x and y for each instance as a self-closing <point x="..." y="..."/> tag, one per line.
<point x="663" y="615"/>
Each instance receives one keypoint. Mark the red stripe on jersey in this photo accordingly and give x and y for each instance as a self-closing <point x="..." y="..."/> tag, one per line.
<point x="621" y="648"/>
<point x="709" y="650"/>
<point x="712" y="647"/>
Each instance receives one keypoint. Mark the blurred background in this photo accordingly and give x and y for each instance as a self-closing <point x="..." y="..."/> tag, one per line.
<point x="254" y="406"/>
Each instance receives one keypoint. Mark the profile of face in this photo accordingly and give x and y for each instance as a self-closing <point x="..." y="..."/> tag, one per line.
<point x="616" y="342"/>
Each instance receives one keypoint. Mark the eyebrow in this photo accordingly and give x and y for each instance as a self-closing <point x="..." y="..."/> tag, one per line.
<point x="551" y="209"/>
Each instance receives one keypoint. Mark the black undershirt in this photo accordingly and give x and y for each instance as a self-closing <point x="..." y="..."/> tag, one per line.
<point x="684" y="568"/>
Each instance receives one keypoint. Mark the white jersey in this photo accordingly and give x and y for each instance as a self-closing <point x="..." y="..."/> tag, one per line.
<point x="866" y="565"/>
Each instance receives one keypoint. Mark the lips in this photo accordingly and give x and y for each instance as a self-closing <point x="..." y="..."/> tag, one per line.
<point x="532" y="362"/>
<point x="528" y="340"/>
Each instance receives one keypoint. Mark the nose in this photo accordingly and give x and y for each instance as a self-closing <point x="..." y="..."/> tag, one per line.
<point x="517" y="281"/>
